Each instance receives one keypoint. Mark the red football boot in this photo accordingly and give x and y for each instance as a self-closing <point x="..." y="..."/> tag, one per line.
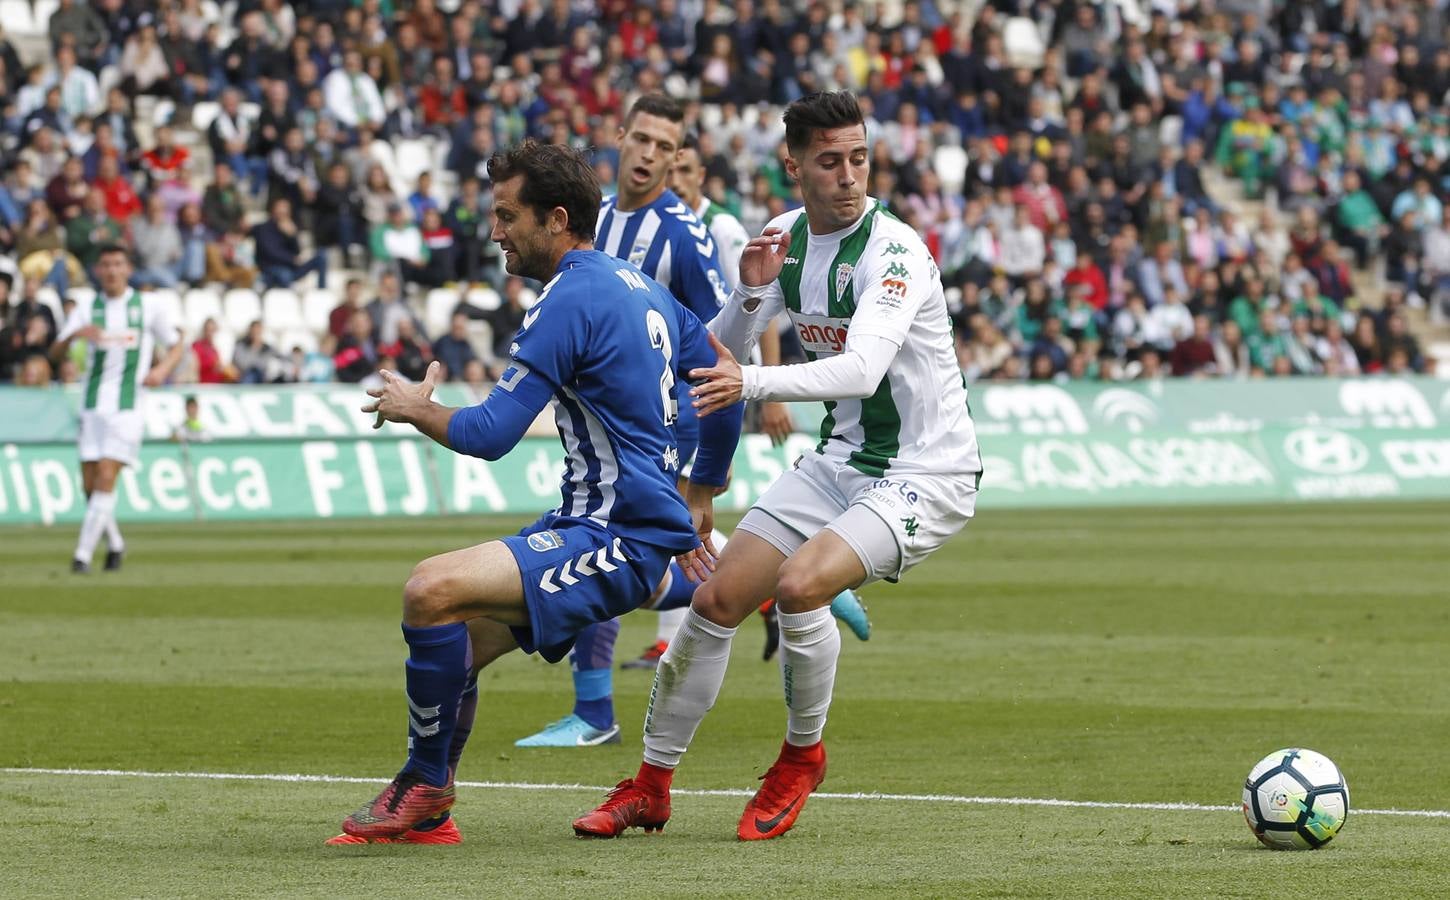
<point x="650" y="658"/>
<point x="406" y="802"/>
<point x="774" y="808"/>
<point x="446" y="833"/>
<point x="630" y="805"/>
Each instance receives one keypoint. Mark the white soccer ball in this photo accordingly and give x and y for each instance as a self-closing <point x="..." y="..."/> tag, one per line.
<point x="1295" y="800"/>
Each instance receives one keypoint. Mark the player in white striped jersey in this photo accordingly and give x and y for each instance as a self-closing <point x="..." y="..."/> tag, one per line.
<point x="123" y="328"/>
<point x="687" y="178"/>
<point x="894" y="476"/>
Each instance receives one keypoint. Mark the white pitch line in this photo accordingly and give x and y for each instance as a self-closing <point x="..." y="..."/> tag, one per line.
<point x="826" y="795"/>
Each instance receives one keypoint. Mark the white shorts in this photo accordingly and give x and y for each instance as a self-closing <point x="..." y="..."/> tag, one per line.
<point x="114" y="435"/>
<point x="892" y="523"/>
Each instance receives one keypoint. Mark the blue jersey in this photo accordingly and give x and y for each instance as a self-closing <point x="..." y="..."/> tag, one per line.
<point x="670" y="244"/>
<point x="611" y="345"/>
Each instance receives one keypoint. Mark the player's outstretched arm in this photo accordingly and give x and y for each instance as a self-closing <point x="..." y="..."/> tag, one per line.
<point x="488" y="430"/>
<point x="411" y="404"/>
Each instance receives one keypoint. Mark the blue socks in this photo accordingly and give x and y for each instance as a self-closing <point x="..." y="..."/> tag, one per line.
<point x="437" y="673"/>
<point x="680" y="591"/>
<point x="593" y="663"/>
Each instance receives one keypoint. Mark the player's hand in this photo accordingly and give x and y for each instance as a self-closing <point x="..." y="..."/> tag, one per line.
<point x="763" y="257"/>
<point x="700" y="562"/>
<point x="722" y="384"/>
<point x="776" y="422"/>
<point x="91" y="333"/>
<point x="397" y="399"/>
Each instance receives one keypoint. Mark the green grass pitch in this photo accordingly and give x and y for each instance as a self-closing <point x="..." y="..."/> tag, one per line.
<point x="1130" y="655"/>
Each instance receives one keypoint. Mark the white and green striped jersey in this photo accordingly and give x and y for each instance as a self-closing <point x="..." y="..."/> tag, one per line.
<point x="730" y="236"/>
<point x="117" y="364"/>
<point x="877" y="278"/>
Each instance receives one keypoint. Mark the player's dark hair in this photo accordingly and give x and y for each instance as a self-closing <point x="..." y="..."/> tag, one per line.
<point x="817" y="112"/>
<point x="691" y="142"/>
<point x="108" y="249"/>
<point x="554" y="176"/>
<point x="656" y="105"/>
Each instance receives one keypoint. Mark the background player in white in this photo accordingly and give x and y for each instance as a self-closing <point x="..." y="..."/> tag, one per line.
<point x="123" y="327"/>
<point x="894" y="476"/>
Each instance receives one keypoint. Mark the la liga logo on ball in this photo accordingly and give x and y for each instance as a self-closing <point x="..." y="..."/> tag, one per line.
<point x="1295" y="799"/>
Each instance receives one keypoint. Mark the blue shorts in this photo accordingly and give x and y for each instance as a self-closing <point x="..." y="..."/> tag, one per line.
<point x="577" y="573"/>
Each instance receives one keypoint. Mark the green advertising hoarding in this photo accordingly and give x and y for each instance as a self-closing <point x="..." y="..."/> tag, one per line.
<point x="309" y="453"/>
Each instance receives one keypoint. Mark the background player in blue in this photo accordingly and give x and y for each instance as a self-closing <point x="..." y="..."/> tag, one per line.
<point x="605" y="346"/>
<point x="649" y="225"/>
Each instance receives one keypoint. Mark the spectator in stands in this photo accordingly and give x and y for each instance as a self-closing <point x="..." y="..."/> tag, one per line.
<point x="230" y="138"/>
<point x="210" y="367"/>
<point x="290" y="171"/>
<point x="122" y="202"/>
<point x="337" y="213"/>
<point x="67" y="191"/>
<point x="76" y="24"/>
<point x="389" y="308"/>
<point x="279" y="252"/>
<point x="221" y="204"/>
<point x="357" y="353"/>
<point x="156" y="246"/>
<point x="454" y="349"/>
<point x="193" y="234"/>
<point x="40" y="249"/>
<point x="398" y="245"/>
<point x="93" y="229"/>
<point x="229" y="261"/>
<point x="80" y="93"/>
<point x="442" y="99"/>
<point x="256" y="361"/>
<point x="467" y="218"/>
<point x="352" y="95"/>
<point x="144" y="67"/>
<point x="411" y="354"/>
<point x="340" y="318"/>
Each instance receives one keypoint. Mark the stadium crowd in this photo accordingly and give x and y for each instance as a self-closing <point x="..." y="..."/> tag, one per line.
<point x="1126" y="189"/>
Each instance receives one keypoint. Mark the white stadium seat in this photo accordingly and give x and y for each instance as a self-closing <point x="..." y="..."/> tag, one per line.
<point x="438" y="310"/>
<point x="950" y="164"/>
<point x="413" y="159"/>
<point x="317" y="307"/>
<point x="282" y="309"/>
<point x="241" y="307"/>
<point x="170" y="301"/>
<point x="49" y="298"/>
<point x="483" y="298"/>
<point x="225" y="343"/>
<point x="203" y="114"/>
<point x="15" y="16"/>
<point x="295" y="337"/>
<point x="198" y="305"/>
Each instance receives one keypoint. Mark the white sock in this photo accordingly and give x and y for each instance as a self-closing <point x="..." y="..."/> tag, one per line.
<point x="114" y="542"/>
<point x="670" y="620"/>
<point x="809" y="646"/>
<point x="99" y="510"/>
<point x="686" y="684"/>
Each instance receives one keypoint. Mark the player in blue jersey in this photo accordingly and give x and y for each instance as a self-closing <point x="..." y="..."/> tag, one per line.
<point x="651" y="227"/>
<point x="605" y="346"/>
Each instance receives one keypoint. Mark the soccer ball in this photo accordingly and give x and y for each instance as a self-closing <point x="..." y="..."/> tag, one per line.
<point x="1295" y="800"/>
